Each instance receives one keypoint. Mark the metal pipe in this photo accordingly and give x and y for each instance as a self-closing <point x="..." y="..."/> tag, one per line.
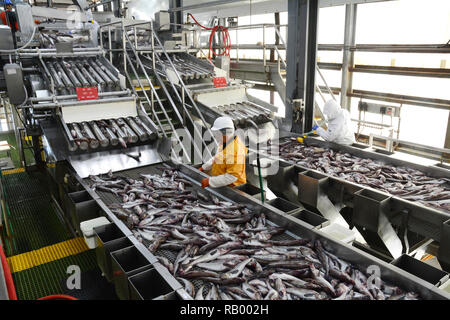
<point x="257" y="107"/>
<point x="79" y="75"/>
<point x="70" y="139"/>
<point x="104" y="142"/>
<point x="68" y="68"/>
<point x="74" y="103"/>
<point x="59" y="55"/>
<point x="107" y="72"/>
<point x="108" y="132"/>
<point x="86" y="74"/>
<point x="50" y="50"/>
<point x="348" y="56"/>
<point x="249" y="110"/>
<point x="143" y="136"/>
<point x="100" y="72"/>
<point x="78" y="136"/>
<point x="93" y="142"/>
<point x="74" y="96"/>
<point x="132" y="137"/>
<point x="141" y="123"/>
<point x="94" y="73"/>
<point x="56" y="78"/>
<point x="123" y="138"/>
<point x="63" y="75"/>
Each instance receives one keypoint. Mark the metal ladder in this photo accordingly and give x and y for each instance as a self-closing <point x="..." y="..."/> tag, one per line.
<point x="164" y="103"/>
<point x="186" y="109"/>
<point x="137" y="68"/>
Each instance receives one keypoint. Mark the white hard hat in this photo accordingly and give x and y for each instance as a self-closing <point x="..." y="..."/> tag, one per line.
<point x="223" y="123"/>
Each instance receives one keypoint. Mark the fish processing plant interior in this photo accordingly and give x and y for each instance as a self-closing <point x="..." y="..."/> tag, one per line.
<point x="107" y="120"/>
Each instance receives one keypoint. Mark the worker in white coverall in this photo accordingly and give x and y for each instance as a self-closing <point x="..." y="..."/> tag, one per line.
<point x="340" y="129"/>
<point x="227" y="168"/>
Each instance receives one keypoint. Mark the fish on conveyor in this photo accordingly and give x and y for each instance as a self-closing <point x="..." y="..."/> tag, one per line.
<point x="230" y="252"/>
<point x="406" y="183"/>
<point x="188" y="286"/>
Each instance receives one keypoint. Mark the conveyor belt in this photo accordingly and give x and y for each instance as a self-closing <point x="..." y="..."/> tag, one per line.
<point x="420" y="188"/>
<point x="109" y="199"/>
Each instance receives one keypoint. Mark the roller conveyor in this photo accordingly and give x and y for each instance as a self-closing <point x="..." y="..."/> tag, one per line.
<point x="105" y="133"/>
<point x="188" y="67"/>
<point x="242" y="111"/>
<point x="82" y="72"/>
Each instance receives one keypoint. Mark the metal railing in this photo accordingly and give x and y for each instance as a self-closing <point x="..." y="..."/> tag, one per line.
<point x="139" y="68"/>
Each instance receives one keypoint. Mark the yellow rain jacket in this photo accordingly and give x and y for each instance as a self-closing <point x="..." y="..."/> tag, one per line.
<point x="228" y="166"/>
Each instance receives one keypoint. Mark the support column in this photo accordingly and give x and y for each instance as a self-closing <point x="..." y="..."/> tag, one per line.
<point x="177" y="16"/>
<point x="301" y="61"/>
<point x="277" y="39"/>
<point x="447" y="138"/>
<point x="348" y="55"/>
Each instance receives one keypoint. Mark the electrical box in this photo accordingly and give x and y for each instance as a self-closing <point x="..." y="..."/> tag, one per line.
<point x="14" y="83"/>
<point x="379" y="109"/>
<point x="7" y="40"/>
<point x="162" y="20"/>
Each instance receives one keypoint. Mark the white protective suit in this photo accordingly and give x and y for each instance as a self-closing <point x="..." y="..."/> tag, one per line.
<point x="340" y="129"/>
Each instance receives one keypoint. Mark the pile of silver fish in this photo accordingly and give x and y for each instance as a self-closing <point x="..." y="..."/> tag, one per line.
<point x="406" y="183"/>
<point x="68" y="74"/>
<point x="105" y="133"/>
<point x="223" y="251"/>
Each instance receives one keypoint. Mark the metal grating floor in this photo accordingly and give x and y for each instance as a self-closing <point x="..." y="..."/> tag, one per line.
<point x="48" y="279"/>
<point x="32" y="218"/>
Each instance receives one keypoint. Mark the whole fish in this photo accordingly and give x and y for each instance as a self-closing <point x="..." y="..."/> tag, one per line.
<point x="289" y="264"/>
<point x="156" y="243"/>
<point x="188" y="287"/>
<point x="236" y="271"/>
<point x="199" y="294"/>
<point x="214" y="266"/>
<point x="166" y="263"/>
<point x="210" y="256"/>
<point x="305" y="294"/>
<point x="251" y="292"/>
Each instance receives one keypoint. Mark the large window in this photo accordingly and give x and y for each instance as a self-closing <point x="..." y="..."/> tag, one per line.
<point x="392" y="22"/>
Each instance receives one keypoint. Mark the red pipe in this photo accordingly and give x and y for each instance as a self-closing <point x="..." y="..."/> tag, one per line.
<point x="225" y="35"/>
<point x="58" y="297"/>
<point x="8" y="277"/>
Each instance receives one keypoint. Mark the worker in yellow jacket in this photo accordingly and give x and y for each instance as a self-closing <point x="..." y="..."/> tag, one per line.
<point x="227" y="168"/>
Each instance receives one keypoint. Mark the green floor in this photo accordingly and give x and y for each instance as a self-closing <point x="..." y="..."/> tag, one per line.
<point x="11" y="138"/>
<point x="47" y="279"/>
<point x="33" y="224"/>
<point x="32" y="219"/>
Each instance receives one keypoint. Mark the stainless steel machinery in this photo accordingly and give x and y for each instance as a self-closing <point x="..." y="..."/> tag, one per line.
<point x="71" y="96"/>
<point x="392" y="223"/>
<point x="128" y="263"/>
